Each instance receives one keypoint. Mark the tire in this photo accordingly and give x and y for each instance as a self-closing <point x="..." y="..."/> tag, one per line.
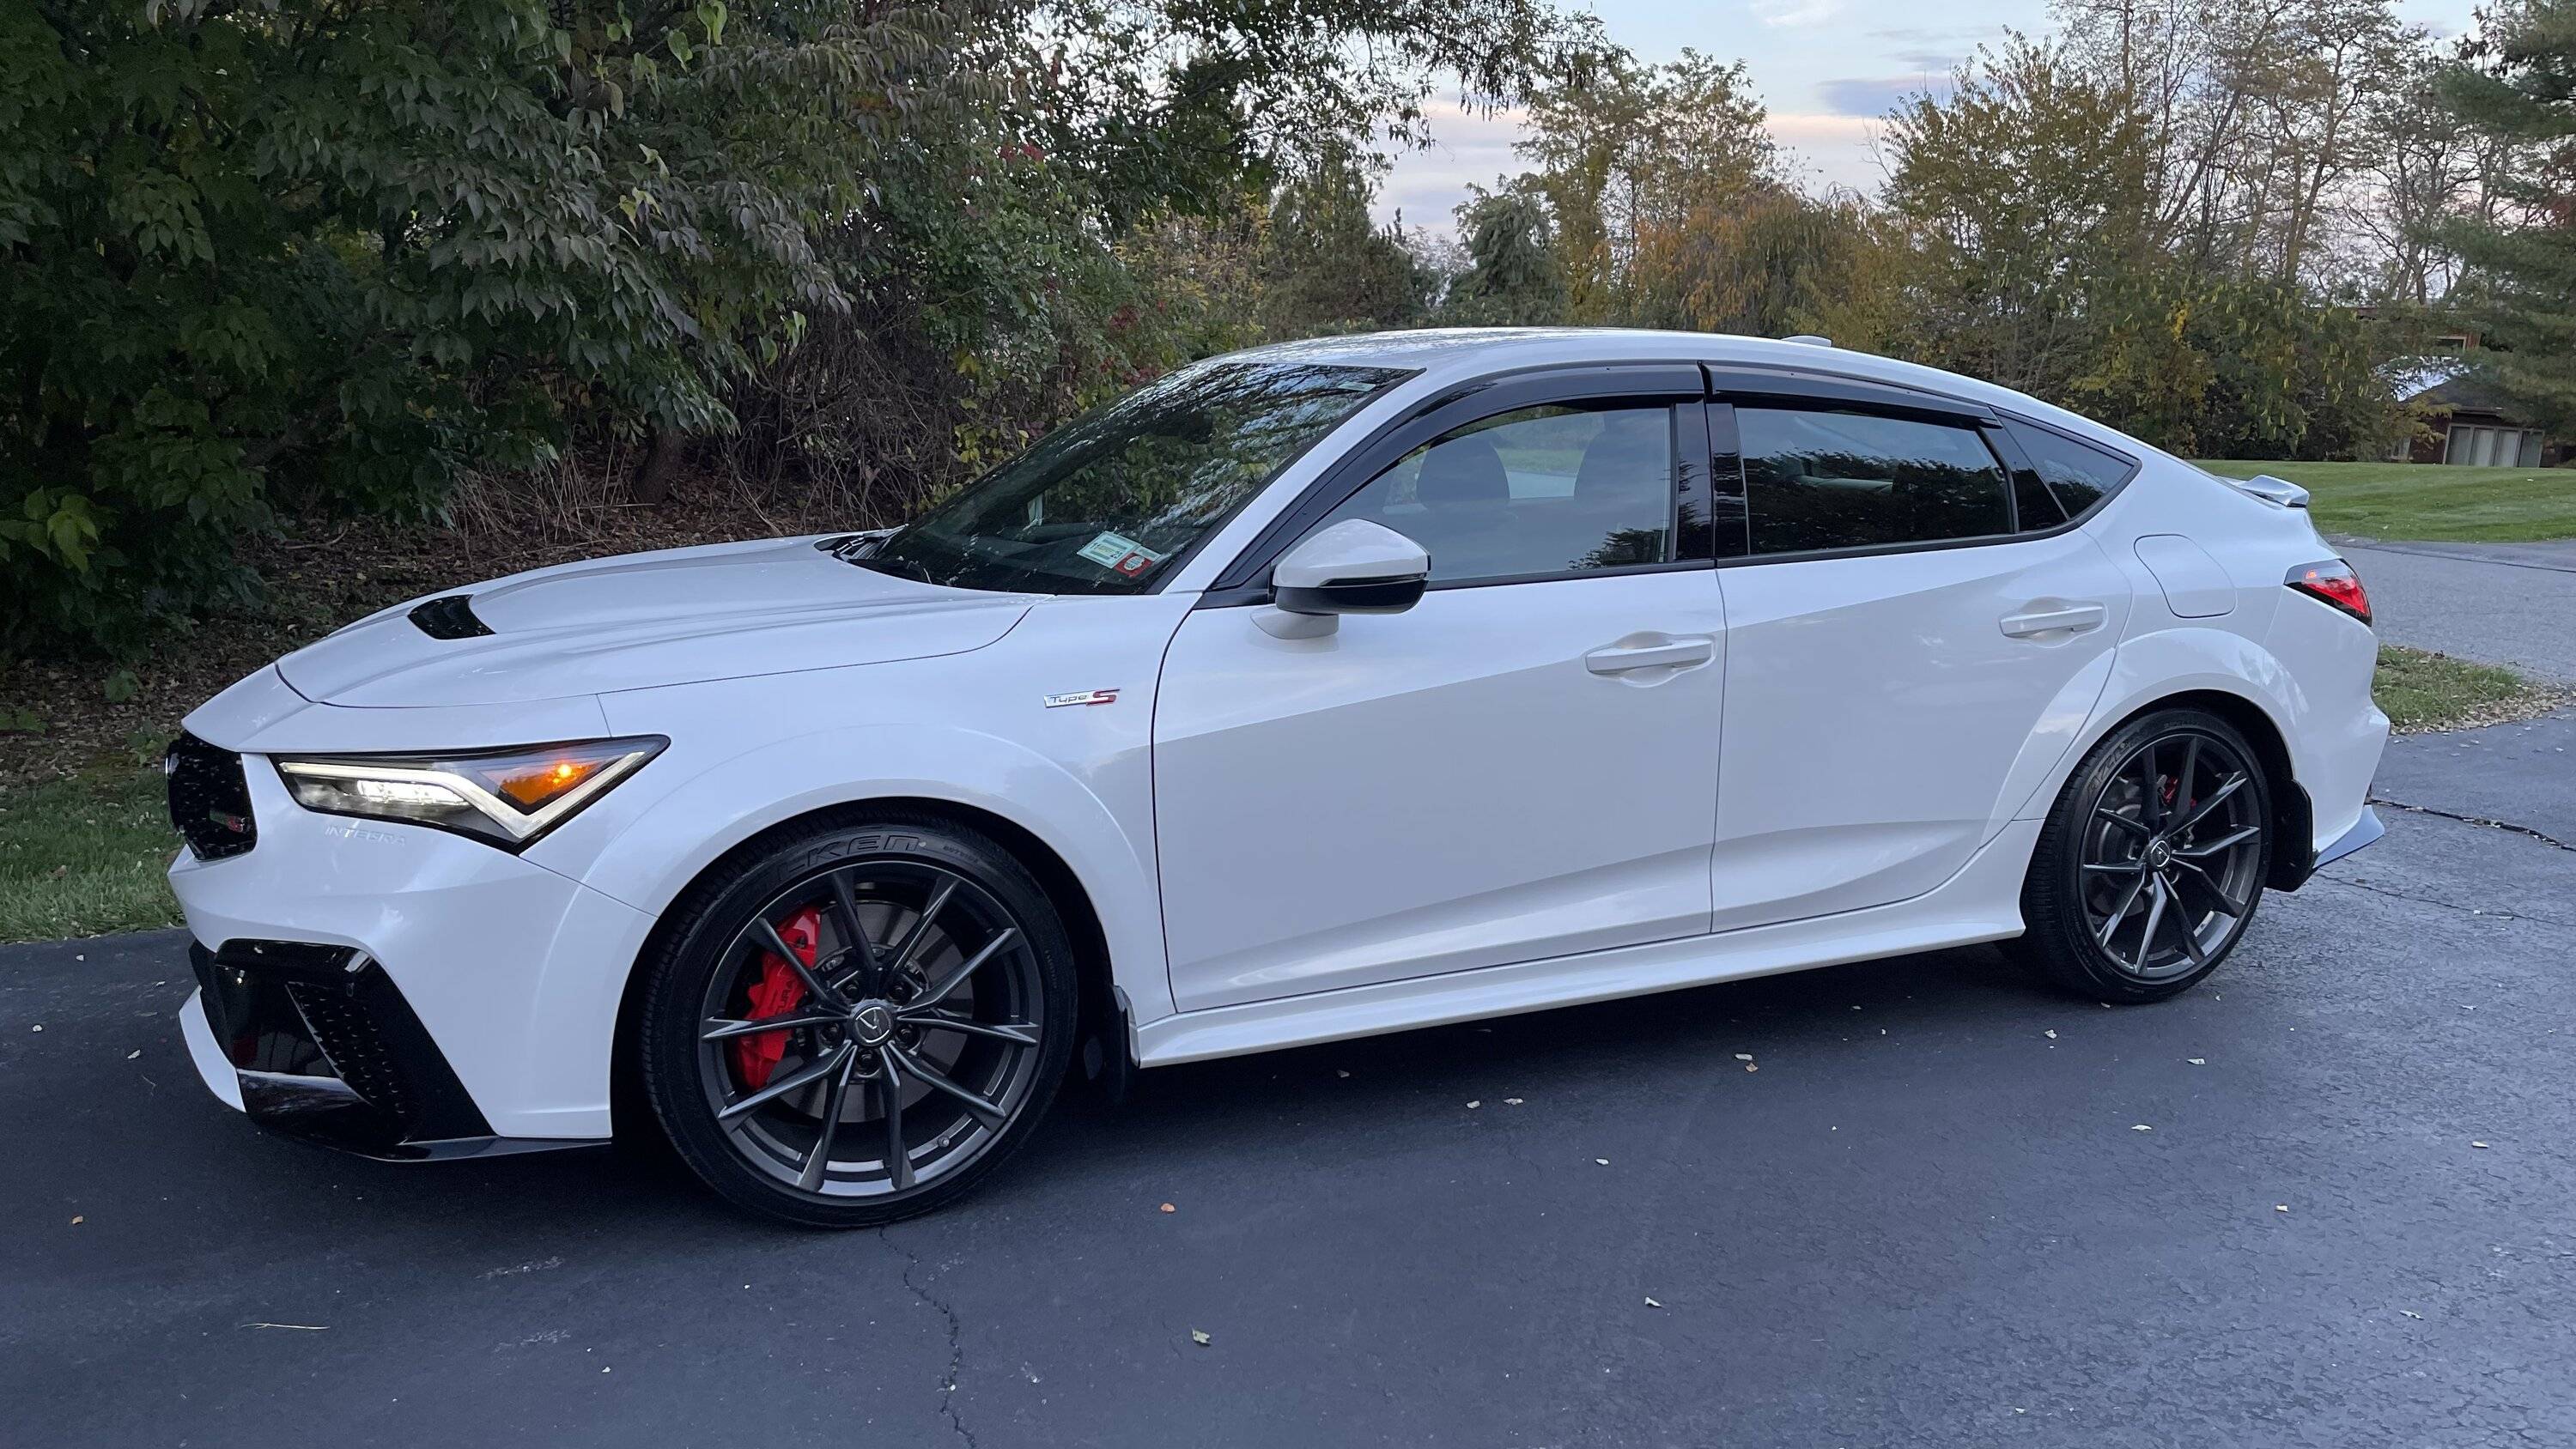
<point x="971" y="1070"/>
<point x="2176" y="804"/>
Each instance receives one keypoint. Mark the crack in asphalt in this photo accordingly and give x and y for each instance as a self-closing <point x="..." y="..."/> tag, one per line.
<point x="956" y="1338"/>
<point x="2546" y="839"/>
<point x="2479" y="911"/>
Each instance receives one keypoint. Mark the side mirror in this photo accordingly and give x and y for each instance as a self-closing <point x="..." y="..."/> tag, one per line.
<point x="1353" y="567"/>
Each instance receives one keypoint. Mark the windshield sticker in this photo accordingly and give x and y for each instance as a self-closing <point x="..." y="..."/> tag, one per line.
<point x="1121" y="554"/>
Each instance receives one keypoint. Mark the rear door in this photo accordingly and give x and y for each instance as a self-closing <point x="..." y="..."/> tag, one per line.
<point x="1915" y="632"/>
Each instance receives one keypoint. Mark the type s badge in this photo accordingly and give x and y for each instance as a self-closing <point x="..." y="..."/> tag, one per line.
<point x="1082" y="696"/>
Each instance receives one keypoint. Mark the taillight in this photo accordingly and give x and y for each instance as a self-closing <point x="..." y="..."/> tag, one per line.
<point x="2332" y="582"/>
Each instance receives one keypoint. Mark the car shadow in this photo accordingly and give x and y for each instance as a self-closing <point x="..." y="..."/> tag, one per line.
<point x="1208" y="1110"/>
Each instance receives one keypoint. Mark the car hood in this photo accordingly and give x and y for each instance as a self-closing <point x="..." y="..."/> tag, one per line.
<point x="678" y="616"/>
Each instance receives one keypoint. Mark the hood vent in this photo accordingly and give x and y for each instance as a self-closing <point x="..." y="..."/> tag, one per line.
<point x="451" y="617"/>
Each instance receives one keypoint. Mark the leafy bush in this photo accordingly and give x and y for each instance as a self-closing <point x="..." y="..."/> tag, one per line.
<point x="268" y="255"/>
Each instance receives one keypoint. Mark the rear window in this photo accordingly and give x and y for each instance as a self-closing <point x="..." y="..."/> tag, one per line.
<point x="1819" y="480"/>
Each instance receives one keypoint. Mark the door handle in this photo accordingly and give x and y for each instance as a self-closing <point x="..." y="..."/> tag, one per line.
<point x="2055" y="619"/>
<point x="1667" y="654"/>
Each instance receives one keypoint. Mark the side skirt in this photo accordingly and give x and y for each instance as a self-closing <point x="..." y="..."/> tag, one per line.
<point x="1980" y="903"/>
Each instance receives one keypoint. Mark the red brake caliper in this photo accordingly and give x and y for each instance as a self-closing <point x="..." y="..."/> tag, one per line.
<point x="776" y="993"/>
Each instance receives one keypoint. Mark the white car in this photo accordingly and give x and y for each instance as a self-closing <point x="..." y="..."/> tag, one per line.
<point x="1310" y="692"/>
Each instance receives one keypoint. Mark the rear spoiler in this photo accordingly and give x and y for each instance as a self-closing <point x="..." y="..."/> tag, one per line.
<point x="2270" y="489"/>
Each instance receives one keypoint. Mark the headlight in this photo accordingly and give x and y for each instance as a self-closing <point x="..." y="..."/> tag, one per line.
<point x="506" y="797"/>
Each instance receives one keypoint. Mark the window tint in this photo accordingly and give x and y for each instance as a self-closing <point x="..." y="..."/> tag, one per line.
<point x="2078" y="474"/>
<point x="1819" y="480"/>
<point x="2034" y="507"/>
<point x="1539" y="490"/>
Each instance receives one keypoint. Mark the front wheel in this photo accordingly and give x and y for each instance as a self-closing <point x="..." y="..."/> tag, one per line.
<point x="2152" y="861"/>
<point x="860" y="1022"/>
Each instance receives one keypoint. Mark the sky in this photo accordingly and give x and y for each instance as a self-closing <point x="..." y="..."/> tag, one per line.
<point x="1827" y="69"/>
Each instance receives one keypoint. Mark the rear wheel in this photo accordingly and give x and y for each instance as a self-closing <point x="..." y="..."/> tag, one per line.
<point x="860" y="1023"/>
<point x="2152" y="861"/>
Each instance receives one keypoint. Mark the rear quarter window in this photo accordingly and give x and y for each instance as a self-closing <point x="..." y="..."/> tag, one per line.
<point x="2078" y="474"/>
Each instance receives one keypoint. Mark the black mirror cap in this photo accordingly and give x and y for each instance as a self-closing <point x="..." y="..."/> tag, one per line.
<point x="1355" y="596"/>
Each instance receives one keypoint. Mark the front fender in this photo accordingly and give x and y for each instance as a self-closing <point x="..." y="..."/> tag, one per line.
<point x="651" y="846"/>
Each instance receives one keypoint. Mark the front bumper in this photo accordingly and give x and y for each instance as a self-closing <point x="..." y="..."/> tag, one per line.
<point x="316" y="1042"/>
<point x="402" y="991"/>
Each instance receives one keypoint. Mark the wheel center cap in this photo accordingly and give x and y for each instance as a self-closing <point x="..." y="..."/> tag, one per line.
<point x="872" y="1024"/>
<point x="2159" y="855"/>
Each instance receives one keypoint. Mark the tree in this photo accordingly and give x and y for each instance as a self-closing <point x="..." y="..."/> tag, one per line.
<point x="1512" y="277"/>
<point x="1326" y="266"/>
<point x="1621" y="149"/>
<point x="2517" y="85"/>
<point x="327" y="256"/>
<point x="2020" y="192"/>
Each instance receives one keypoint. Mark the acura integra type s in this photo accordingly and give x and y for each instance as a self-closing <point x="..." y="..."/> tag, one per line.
<point x="1308" y="692"/>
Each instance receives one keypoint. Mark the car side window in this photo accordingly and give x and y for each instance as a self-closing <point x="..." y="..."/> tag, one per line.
<point x="2078" y="473"/>
<point x="1539" y="490"/>
<point x="1825" y="479"/>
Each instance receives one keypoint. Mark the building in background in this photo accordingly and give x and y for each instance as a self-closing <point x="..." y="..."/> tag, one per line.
<point x="2470" y="423"/>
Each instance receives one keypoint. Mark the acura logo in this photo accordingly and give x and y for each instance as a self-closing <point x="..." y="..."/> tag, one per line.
<point x="872" y="1024"/>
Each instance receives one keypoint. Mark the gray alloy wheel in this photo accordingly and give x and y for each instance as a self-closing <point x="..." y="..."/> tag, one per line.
<point x="861" y="1023"/>
<point x="2153" y="860"/>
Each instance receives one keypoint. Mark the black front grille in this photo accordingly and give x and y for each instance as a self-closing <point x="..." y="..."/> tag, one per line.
<point x="209" y="803"/>
<point x="351" y="1042"/>
<point x="450" y="617"/>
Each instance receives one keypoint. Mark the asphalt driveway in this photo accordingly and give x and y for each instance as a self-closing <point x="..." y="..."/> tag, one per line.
<point x="2501" y="603"/>
<point x="2325" y="1200"/>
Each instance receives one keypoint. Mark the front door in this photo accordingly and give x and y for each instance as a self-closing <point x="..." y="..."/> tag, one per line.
<point x="1523" y="765"/>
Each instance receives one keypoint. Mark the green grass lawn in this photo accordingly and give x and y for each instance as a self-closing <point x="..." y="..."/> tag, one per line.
<point x="2427" y="500"/>
<point x="85" y="856"/>
<point x="2421" y="691"/>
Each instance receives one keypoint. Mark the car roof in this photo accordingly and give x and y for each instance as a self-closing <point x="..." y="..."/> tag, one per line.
<point x="1458" y="354"/>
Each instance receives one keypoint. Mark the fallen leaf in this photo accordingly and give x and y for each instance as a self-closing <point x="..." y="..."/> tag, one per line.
<point x="1748" y="1066"/>
<point x="1167" y="1207"/>
<point x="1511" y="1101"/>
<point x="1651" y="1303"/>
<point x="2280" y="1207"/>
<point x="2051" y="1035"/>
<point x="77" y="1217"/>
<point x="138" y="1051"/>
<point x="2197" y="1061"/>
<point x="2142" y="1127"/>
<point x="2409" y="1312"/>
<point x="1744" y="1056"/>
<point x="1199" y="1337"/>
<point x="1337" y="1071"/>
<point x="1474" y="1105"/>
<point x="2477" y="1144"/>
<point x="1604" y="1161"/>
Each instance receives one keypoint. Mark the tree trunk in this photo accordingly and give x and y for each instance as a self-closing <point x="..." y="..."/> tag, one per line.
<point x="652" y="486"/>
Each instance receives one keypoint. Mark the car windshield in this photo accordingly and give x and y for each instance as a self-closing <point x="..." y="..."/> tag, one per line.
<point x="1106" y="503"/>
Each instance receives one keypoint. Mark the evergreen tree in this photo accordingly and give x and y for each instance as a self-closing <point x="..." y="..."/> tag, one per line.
<point x="2517" y="83"/>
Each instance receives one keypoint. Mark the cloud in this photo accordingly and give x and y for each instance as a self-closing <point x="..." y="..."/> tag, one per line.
<point x="1466" y="146"/>
<point x="1796" y="13"/>
<point x="1877" y="95"/>
<point x="1828" y="152"/>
